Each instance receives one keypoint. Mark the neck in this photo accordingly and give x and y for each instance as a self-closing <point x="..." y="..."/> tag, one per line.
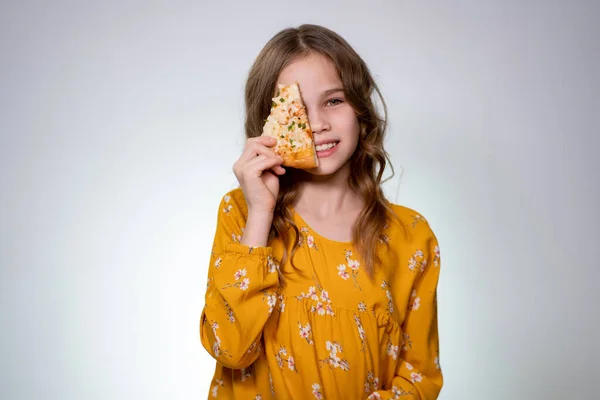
<point x="323" y="196"/>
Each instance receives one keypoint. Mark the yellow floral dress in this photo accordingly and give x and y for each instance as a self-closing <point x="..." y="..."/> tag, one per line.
<point x="330" y="332"/>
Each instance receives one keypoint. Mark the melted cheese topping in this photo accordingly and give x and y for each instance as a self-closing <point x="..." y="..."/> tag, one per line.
<point x="287" y="121"/>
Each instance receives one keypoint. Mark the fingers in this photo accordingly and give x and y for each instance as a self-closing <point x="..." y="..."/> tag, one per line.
<point x="264" y="140"/>
<point x="255" y="155"/>
<point x="257" y="146"/>
<point x="257" y="165"/>
<point x="279" y="170"/>
<point x="264" y="162"/>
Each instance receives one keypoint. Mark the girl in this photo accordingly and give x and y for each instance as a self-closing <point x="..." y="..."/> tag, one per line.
<point x="318" y="287"/>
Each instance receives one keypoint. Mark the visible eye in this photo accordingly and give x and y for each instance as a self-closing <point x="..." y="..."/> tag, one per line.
<point x="334" y="102"/>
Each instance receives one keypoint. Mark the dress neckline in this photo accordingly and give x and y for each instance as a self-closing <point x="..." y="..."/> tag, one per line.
<point x="303" y="222"/>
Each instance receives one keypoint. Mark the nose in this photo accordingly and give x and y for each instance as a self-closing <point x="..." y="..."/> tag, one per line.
<point x="318" y="120"/>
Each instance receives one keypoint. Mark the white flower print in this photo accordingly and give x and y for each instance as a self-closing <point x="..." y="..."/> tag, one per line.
<point x="406" y="342"/>
<point x="329" y="310"/>
<point x="333" y="360"/>
<point x="416" y="219"/>
<point x="280" y="357"/>
<point x="423" y="265"/>
<point x="230" y="314"/>
<point x="362" y="307"/>
<point x="217" y="344"/>
<point x="353" y="264"/>
<point x="385" y="286"/>
<point x="371" y="383"/>
<point x="436" y="258"/>
<point x="413" y="262"/>
<point x="306" y="238"/>
<point x="245" y="374"/>
<point x="342" y="272"/>
<point x="354" y="267"/>
<point x="320" y="308"/>
<point x="306" y="332"/>
<point x="272" y="265"/>
<point x="316" y="391"/>
<point x="399" y="392"/>
<point x="215" y="389"/>
<point x="243" y="285"/>
<point x="374" y="396"/>
<point x="415" y="305"/>
<point x="236" y="238"/>
<point x="361" y="331"/>
<point x="323" y="306"/>
<point x="271" y="387"/>
<point x="408" y="366"/>
<point x="239" y="274"/>
<point x="291" y="364"/>
<point x="416" y="377"/>
<point x="281" y="302"/>
<point x="218" y="262"/>
<point x="258" y="397"/>
<point x="392" y="350"/>
<point x="271" y="300"/>
<point x="217" y="350"/>
<point x="227" y="209"/>
<point x="255" y="346"/>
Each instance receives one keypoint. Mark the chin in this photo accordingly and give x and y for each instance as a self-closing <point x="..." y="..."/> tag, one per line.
<point x="321" y="171"/>
<point x="327" y="167"/>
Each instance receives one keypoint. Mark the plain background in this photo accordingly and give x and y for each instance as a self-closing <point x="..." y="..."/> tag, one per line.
<point x="120" y="122"/>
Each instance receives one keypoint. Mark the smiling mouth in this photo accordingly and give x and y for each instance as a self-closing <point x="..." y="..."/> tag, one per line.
<point x="326" y="146"/>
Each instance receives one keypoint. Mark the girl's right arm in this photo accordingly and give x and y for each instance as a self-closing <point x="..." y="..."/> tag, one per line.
<point x="241" y="287"/>
<point x="243" y="277"/>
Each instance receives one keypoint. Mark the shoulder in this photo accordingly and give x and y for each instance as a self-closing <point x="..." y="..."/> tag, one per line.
<point x="410" y="224"/>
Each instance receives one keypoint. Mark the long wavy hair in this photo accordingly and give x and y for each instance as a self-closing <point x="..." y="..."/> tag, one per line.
<point x="368" y="161"/>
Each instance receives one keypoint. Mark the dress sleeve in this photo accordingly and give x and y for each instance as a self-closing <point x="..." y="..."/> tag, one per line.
<point x="240" y="293"/>
<point x="419" y="375"/>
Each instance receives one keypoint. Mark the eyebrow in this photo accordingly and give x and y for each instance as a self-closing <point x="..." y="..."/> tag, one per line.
<point x="332" y="90"/>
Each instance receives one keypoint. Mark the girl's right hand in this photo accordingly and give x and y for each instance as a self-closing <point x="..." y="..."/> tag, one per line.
<point x="256" y="171"/>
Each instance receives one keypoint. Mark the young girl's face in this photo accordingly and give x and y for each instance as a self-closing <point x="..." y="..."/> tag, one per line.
<point x="331" y="118"/>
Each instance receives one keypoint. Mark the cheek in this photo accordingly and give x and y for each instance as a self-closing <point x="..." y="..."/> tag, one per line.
<point x="347" y="125"/>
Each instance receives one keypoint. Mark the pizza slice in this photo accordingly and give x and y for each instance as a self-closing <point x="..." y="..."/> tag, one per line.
<point x="288" y="123"/>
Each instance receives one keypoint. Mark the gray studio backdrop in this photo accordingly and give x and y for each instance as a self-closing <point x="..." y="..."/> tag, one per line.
<point x="119" y="124"/>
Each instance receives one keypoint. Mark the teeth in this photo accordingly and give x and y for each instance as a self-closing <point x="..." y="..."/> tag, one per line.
<point x="326" y="146"/>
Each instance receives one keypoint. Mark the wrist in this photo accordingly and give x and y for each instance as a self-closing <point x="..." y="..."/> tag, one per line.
<point x="260" y="216"/>
<point x="258" y="226"/>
